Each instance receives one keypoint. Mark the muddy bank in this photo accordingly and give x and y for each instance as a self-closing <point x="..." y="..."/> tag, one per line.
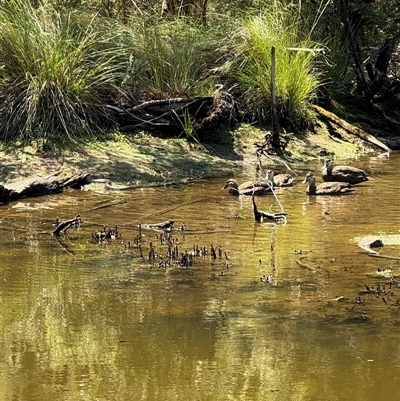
<point x="144" y="159"/>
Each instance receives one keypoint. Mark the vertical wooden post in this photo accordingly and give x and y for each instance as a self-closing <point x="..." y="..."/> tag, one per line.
<point x="275" y="127"/>
<point x="204" y="13"/>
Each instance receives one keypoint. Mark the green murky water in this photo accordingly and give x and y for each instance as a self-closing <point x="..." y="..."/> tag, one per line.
<point x="94" y="321"/>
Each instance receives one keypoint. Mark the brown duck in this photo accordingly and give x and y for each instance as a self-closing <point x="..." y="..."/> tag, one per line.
<point x="349" y="174"/>
<point x="279" y="180"/>
<point x="326" y="188"/>
<point x="247" y="188"/>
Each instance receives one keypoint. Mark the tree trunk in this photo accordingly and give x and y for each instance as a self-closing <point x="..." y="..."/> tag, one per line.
<point x="382" y="64"/>
<point x="369" y="84"/>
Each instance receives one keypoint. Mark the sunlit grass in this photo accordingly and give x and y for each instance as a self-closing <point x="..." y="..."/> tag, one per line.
<point x="297" y="79"/>
<point x="168" y="58"/>
<point x="54" y="70"/>
<point x="58" y="67"/>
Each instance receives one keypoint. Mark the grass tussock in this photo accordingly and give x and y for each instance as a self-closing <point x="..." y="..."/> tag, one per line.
<point x="59" y="66"/>
<point x="56" y="68"/>
<point x="169" y="59"/>
<point x="297" y="78"/>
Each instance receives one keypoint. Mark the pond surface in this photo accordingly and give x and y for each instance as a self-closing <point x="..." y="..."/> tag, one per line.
<point x="82" y="320"/>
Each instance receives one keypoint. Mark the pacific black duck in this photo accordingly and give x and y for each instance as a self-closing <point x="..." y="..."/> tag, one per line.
<point x="326" y="188"/>
<point x="247" y="188"/>
<point x="349" y="174"/>
<point x="279" y="180"/>
<point x="260" y="216"/>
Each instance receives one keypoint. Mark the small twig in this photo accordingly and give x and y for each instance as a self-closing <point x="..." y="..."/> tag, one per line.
<point x="278" y="160"/>
<point x="273" y="192"/>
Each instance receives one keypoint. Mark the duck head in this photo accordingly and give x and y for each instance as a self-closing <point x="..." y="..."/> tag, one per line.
<point x="328" y="165"/>
<point x="269" y="175"/>
<point x="308" y="178"/>
<point x="231" y="183"/>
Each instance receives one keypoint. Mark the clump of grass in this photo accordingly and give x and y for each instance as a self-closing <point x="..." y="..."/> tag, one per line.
<point x="168" y="59"/>
<point x="58" y="67"/>
<point x="55" y="68"/>
<point x="297" y="79"/>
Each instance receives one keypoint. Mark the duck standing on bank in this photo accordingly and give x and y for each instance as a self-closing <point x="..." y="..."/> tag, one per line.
<point x="349" y="174"/>
<point x="326" y="188"/>
<point x="279" y="180"/>
<point x="248" y="188"/>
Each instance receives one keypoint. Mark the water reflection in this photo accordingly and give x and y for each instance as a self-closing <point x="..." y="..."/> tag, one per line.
<point x="86" y="320"/>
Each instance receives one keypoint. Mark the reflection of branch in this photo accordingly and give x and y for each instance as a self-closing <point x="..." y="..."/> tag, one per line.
<point x="303" y="265"/>
<point x="260" y="216"/>
<point x="378" y="255"/>
<point x="107" y="205"/>
<point x="273" y="256"/>
<point x="62" y="246"/>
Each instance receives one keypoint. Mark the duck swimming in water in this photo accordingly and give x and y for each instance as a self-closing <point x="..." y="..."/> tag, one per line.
<point x="326" y="188"/>
<point x="248" y="188"/>
<point x="279" y="180"/>
<point x="260" y="216"/>
<point x="349" y="174"/>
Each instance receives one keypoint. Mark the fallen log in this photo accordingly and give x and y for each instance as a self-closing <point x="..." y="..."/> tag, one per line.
<point x="39" y="186"/>
<point x="352" y="129"/>
<point x="203" y="113"/>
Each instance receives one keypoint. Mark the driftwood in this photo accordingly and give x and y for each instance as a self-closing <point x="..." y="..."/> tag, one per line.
<point x="378" y="255"/>
<point x="352" y="129"/>
<point x="174" y="115"/>
<point x="165" y="225"/>
<point x="370" y="241"/>
<point x="108" y="185"/>
<point x="63" y="226"/>
<point x="38" y="186"/>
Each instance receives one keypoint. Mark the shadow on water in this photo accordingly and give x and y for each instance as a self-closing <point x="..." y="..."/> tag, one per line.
<point x="295" y="311"/>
